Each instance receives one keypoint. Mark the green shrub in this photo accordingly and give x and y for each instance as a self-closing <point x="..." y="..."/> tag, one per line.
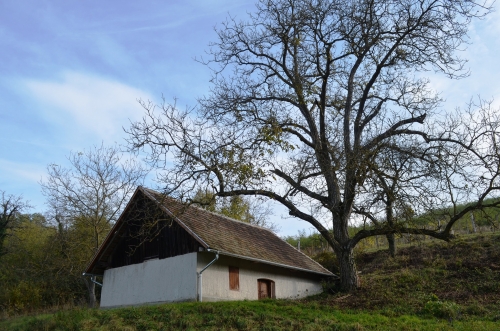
<point x="476" y="309"/>
<point x="442" y="309"/>
<point x="24" y="296"/>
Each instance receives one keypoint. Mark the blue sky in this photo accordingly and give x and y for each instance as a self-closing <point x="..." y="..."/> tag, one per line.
<point x="71" y="73"/>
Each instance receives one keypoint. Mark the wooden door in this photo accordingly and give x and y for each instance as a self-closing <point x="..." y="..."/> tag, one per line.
<point x="264" y="289"/>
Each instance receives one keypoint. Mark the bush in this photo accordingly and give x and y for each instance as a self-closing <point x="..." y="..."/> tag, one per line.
<point x="24" y="297"/>
<point x="442" y="309"/>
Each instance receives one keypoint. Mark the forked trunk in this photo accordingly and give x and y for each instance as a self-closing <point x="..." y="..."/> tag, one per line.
<point x="349" y="279"/>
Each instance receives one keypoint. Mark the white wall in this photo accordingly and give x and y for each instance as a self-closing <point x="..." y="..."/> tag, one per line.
<point x="154" y="281"/>
<point x="288" y="283"/>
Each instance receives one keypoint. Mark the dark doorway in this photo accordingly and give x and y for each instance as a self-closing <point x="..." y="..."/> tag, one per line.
<point x="266" y="289"/>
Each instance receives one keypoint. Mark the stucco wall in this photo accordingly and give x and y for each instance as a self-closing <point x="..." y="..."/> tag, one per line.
<point x="154" y="281"/>
<point x="288" y="283"/>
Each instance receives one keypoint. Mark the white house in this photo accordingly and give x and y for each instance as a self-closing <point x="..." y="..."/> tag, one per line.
<point x="161" y="250"/>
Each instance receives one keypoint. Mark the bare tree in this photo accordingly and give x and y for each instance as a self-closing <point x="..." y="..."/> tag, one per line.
<point x="11" y="207"/>
<point x="306" y="96"/>
<point x="91" y="194"/>
<point x="469" y="168"/>
<point x="401" y="182"/>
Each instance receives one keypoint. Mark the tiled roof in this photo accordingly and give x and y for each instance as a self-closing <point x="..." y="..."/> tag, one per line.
<point x="231" y="237"/>
<point x="237" y="238"/>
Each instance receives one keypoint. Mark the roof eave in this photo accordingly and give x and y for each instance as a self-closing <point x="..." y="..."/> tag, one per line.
<point x="327" y="273"/>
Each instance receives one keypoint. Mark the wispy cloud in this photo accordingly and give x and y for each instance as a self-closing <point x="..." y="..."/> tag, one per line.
<point x="172" y="15"/>
<point x="88" y="105"/>
<point x="22" y="178"/>
<point x="483" y="66"/>
<point x="22" y="171"/>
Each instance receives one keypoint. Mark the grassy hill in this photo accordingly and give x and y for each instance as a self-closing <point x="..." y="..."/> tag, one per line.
<point x="465" y="272"/>
<point x="445" y="286"/>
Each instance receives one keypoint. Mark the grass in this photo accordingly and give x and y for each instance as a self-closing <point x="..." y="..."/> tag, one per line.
<point x="445" y="286"/>
<point x="456" y="281"/>
<point x="267" y="315"/>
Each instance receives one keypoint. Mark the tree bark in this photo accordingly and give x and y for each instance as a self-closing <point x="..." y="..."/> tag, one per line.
<point x="91" y="292"/>
<point x="349" y="279"/>
<point x="392" y="244"/>
<point x="390" y="221"/>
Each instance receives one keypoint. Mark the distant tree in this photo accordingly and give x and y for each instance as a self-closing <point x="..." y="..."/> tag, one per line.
<point x="238" y="208"/>
<point x="306" y="95"/>
<point x="11" y="207"/>
<point x="205" y="199"/>
<point x="28" y="280"/>
<point x="90" y="196"/>
<point x="37" y="273"/>
<point x="397" y="187"/>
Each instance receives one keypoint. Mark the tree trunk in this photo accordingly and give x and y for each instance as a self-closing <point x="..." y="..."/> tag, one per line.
<point x="349" y="279"/>
<point x="390" y="221"/>
<point x="392" y="244"/>
<point x="91" y="291"/>
<point x="473" y="222"/>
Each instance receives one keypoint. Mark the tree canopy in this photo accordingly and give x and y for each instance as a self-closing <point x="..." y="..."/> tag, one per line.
<point x="309" y="100"/>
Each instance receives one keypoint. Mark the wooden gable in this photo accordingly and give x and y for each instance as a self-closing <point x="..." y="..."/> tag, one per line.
<point x="144" y="232"/>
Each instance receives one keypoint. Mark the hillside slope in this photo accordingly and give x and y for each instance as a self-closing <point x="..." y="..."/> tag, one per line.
<point x="436" y="285"/>
<point x="465" y="271"/>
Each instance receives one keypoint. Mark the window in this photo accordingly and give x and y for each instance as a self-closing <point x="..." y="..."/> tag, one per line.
<point x="266" y="289"/>
<point x="234" y="278"/>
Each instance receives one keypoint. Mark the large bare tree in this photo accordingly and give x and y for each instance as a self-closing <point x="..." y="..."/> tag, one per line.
<point x="306" y="96"/>
<point x="89" y="196"/>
